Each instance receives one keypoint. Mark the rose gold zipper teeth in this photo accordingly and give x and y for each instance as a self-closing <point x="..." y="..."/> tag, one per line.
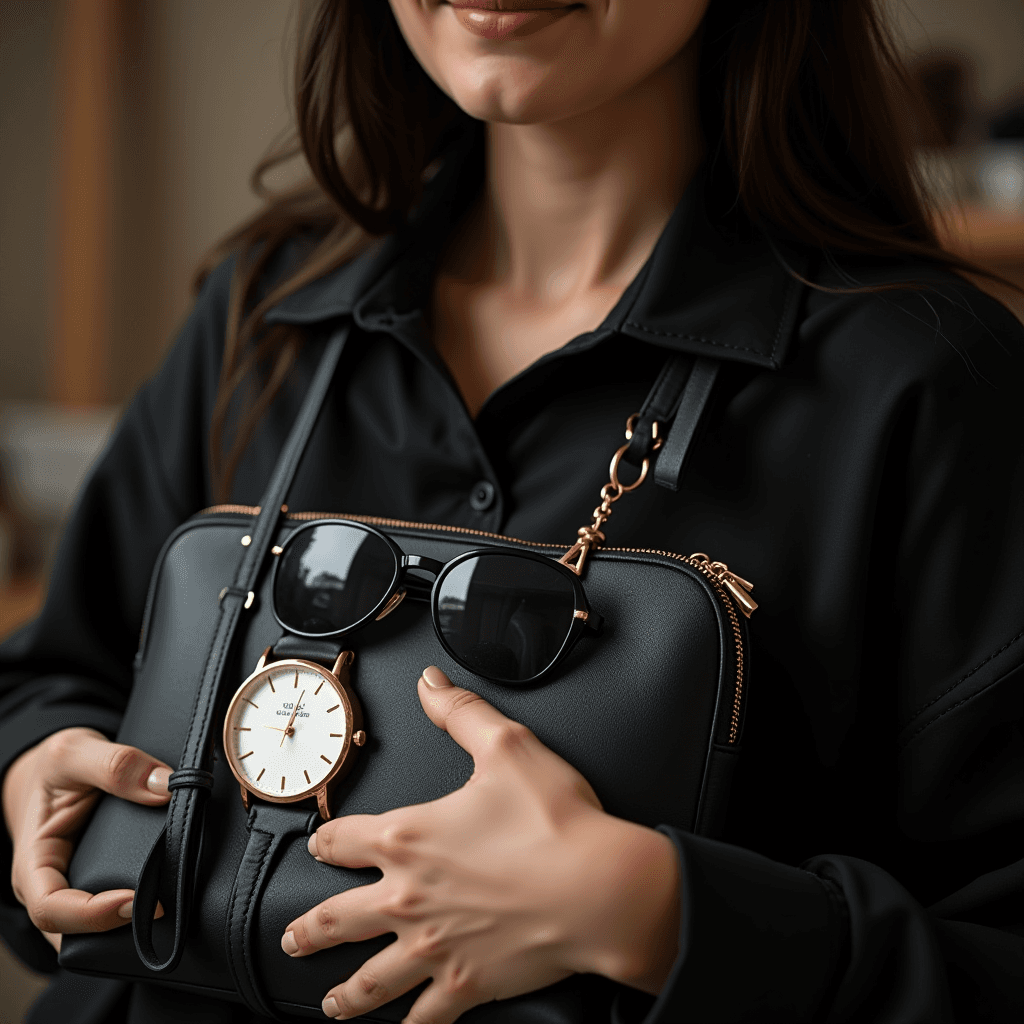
<point x="729" y="603"/>
<point x="254" y="510"/>
<point x="703" y="567"/>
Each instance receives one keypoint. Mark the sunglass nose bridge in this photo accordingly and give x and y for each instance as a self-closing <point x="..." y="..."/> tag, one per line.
<point x="419" y="586"/>
<point x="431" y="565"/>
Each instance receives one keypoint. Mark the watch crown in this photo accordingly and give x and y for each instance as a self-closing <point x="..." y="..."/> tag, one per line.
<point x="359" y="737"/>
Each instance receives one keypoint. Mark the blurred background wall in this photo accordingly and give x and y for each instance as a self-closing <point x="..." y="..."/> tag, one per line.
<point x="128" y="129"/>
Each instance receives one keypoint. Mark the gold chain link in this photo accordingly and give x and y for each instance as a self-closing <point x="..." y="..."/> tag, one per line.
<point x="592" y="536"/>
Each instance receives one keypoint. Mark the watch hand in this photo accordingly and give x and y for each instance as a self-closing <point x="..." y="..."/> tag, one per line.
<point x="288" y="730"/>
<point x="276" y="728"/>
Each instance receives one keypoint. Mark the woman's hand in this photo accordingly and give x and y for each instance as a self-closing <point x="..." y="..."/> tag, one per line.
<point x="511" y="883"/>
<point x="47" y="793"/>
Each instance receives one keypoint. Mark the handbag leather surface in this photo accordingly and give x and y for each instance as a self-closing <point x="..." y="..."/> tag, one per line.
<point x="650" y="712"/>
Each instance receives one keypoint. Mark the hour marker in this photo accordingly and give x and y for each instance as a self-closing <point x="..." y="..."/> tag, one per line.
<point x="244" y="756"/>
<point x="337" y="735"/>
<point x="282" y="782"/>
<point x="335" y="708"/>
<point x="272" y="690"/>
<point x="242" y="728"/>
<point x="296" y="686"/>
<point x="260" y="776"/>
<point x="247" y="701"/>
<point x="304" y="772"/>
<point x="327" y="759"/>
<point x="319" y="688"/>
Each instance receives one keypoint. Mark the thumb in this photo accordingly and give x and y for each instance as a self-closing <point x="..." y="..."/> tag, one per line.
<point x="477" y="726"/>
<point x="123" y="771"/>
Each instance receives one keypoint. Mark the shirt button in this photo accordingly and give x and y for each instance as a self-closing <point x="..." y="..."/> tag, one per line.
<point x="481" y="498"/>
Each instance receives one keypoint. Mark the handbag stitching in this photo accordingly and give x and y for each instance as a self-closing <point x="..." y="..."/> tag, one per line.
<point x="247" y="920"/>
<point x="243" y="968"/>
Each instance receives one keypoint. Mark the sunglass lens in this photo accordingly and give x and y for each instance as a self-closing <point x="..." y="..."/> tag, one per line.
<point x="505" y="617"/>
<point x="331" y="577"/>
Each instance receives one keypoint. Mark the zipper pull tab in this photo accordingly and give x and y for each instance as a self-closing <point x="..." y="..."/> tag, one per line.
<point x="739" y="588"/>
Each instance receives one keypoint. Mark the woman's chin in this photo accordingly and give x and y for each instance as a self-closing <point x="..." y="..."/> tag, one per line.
<point x="517" y="94"/>
<point x="503" y="106"/>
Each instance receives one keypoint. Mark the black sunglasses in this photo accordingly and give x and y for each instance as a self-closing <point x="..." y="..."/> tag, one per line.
<point x="508" y="615"/>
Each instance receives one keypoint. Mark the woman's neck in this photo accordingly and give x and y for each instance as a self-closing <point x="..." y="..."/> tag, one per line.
<point x="569" y="214"/>
<point x="578" y="205"/>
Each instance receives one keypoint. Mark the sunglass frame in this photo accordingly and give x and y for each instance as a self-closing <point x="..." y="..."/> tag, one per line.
<point x="583" y="618"/>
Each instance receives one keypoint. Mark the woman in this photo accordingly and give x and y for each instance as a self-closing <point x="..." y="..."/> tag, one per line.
<point x="640" y="178"/>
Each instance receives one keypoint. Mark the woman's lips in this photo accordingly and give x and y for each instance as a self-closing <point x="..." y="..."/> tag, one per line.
<point x="515" y="19"/>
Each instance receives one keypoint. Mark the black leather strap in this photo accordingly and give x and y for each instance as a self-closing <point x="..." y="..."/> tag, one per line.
<point x="678" y="397"/>
<point x="659" y="406"/>
<point x="324" y="651"/>
<point x="672" y="457"/>
<point x="270" y="826"/>
<point x="170" y="871"/>
<point x="195" y="778"/>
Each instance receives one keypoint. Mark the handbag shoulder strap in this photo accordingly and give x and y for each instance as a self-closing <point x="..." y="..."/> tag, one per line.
<point x="171" y="868"/>
<point x="677" y="402"/>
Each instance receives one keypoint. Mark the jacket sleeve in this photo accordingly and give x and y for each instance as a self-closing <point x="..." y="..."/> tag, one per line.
<point x="72" y="665"/>
<point x="936" y="933"/>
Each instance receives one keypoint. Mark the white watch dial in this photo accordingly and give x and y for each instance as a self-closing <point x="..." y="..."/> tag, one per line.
<point x="287" y="729"/>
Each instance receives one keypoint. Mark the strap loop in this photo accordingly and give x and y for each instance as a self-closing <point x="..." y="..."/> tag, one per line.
<point x="659" y="408"/>
<point x="192" y="778"/>
<point x="237" y="592"/>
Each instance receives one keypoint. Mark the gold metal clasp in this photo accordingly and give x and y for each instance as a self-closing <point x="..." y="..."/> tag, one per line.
<point x="592" y="536"/>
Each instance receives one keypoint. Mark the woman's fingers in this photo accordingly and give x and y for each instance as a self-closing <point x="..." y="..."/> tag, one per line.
<point x="445" y="999"/>
<point x="85" y="757"/>
<point x="70" y="911"/>
<point x="350" y="916"/>
<point x="349" y="842"/>
<point x="478" y="727"/>
<point x="386" y="976"/>
<point x="52" y="906"/>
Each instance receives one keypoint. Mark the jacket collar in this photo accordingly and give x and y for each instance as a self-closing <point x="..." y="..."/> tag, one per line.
<point x="699" y="292"/>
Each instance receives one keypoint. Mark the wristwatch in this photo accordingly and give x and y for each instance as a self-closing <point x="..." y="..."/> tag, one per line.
<point x="291" y="733"/>
<point x="292" y="729"/>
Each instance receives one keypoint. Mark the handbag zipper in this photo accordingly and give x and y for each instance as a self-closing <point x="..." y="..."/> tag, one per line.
<point x="732" y="590"/>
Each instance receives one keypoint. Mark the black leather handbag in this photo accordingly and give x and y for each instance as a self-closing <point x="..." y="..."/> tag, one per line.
<point x="650" y="711"/>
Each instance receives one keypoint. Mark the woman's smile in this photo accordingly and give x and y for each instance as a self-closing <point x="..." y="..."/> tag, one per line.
<point x="509" y="19"/>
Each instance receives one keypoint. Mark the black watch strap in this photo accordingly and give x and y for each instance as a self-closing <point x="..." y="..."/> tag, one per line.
<point x="324" y="651"/>
<point x="270" y="827"/>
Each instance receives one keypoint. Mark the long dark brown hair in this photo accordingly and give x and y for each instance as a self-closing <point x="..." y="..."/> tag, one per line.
<point x="803" y="109"/>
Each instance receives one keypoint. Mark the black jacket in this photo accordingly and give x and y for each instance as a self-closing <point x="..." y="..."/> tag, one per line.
<point x="861" y="465"/>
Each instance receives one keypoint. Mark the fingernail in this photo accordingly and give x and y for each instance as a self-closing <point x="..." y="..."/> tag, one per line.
<point x="157" y="781"/>
<point x="330" y="1007"/>
<point x="125" y="910"/>
<point x="311" y="845"/>
<point x="435" y="678"/>
<point x="288" y="943"/>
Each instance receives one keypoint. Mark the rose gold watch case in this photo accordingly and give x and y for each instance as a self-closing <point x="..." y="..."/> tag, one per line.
<point x="355" y="737"/>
